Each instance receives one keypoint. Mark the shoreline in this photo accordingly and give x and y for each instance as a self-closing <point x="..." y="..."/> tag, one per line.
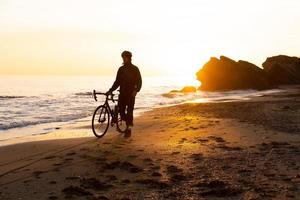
<point x="233" y="150"/>
<point x="51" y="132"/>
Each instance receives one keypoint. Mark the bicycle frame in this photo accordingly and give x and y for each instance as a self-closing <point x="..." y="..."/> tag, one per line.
<point x="106" y="104"/>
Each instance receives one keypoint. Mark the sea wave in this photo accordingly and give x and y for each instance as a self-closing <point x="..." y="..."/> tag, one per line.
<point x="84" y="93"/>
<point x="25" y="123"/>
<point x="11" y="97"/>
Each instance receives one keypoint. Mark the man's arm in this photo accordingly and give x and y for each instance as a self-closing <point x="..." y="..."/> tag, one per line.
<point x="139" y="81"/>
<point x="116" y="83"/>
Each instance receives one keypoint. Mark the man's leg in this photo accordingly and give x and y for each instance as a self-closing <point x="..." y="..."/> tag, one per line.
<point x="129" y="115"/>
<point x="122" y="106"/>
<point x="130" y="107"/>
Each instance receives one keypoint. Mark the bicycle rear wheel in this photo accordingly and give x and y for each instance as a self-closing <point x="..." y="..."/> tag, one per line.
<point x="100" y="121"/>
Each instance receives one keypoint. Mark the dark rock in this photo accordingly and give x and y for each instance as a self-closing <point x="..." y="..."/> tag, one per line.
<point x="227" y="74"/>
<point x="188" y="89"/>
<point x="283" y="70"/>
<point x="184" y="90"/>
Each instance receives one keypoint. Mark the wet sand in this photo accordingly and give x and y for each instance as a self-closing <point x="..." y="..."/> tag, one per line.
<point x="234" y="150"/>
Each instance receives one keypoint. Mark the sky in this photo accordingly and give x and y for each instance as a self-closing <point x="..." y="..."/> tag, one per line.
<point x="169" y="37"/>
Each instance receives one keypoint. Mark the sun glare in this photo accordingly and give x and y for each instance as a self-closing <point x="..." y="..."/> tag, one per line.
<point x="87" y="37"/>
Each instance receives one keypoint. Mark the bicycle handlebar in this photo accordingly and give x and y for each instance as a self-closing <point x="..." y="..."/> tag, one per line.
<point x="106" y="94"/>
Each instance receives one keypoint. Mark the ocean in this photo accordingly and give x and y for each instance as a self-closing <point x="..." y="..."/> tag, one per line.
<point x="33" y="105"/>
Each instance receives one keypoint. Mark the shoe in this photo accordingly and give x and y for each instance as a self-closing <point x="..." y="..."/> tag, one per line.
<point x="127" y="133"/>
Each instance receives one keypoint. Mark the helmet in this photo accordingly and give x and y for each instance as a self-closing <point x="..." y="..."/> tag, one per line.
<point x="126" y="54"/>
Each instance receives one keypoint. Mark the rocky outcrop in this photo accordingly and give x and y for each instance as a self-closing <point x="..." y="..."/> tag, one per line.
<point x="185" y="90"/>
<point x="283" y="70"/>
<point x="227" y="74"/>
<point x="188" y="89"/>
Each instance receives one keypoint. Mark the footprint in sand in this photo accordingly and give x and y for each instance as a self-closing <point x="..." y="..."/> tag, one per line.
<point x="52" y="182"/>
<point x="156" y="174"/>
<point x="175" y="173"/>
<point x="49" y="157"/>
<point x="72" y="191"/>
<point x="26" y="181"/>
<point x="217" y="188"/>
<point x="70" y="154"/>
<point x="155" y="167"/>
<point x="125" y="181"/>
<point x="52" y="197"/>
<point x="132" y="156"/>
<point x="152" y="183"/>
<point x="95" y="184"/>
<point x="56" y="169"/>
<point x="112" y="165"/>
<point x="57" y="164"/>
<point x="229" y="148"/>
<point x="100" y="197"/>
<point x="197" y="157"/>
<point x="194" y="128"/>
<point x="182" y="140"/>
<point x="101" y="160"/>
<point x="216" y="139"/>
<point x="130" y="167"/>
<point x="106" y="143"/>
<point x="72" y="177"/>
<point x="37" y="174"/>
<point x="173" y="169"/>
<point x="111" y="177"/>
<point x="147" y="160"/>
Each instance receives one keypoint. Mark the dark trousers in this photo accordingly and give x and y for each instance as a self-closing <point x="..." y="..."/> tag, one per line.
<point x="126" y="106"/>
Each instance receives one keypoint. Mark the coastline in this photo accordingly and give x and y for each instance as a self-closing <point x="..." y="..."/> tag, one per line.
<point x="247" y="149"/>
<point x="46" y="131"/>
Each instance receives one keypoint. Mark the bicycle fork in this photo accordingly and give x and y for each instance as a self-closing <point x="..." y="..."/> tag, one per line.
<point x="102" y="120"/>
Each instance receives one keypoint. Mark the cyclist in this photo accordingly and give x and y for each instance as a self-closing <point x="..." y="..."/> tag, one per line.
<point x="130" y="82"/>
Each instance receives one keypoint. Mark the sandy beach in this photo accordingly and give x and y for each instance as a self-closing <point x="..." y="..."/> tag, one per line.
<point x="233" y="150"/>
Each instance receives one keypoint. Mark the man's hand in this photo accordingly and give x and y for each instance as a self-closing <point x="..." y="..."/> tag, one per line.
<point x="134" y="93"/>
<point x="108" y="92"/>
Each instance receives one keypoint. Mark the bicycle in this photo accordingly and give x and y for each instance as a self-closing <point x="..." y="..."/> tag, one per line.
<point x="102" y="115"/>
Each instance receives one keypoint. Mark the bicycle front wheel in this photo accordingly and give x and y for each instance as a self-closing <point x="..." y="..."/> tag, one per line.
<point x="100" y="121"/>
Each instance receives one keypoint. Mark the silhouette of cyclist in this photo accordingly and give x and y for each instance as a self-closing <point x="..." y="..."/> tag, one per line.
<point x="130" y="82"/>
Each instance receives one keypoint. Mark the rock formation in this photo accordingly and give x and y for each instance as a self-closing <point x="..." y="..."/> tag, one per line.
<point x="227" y="74"/>
<point x="283" y="70"/>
